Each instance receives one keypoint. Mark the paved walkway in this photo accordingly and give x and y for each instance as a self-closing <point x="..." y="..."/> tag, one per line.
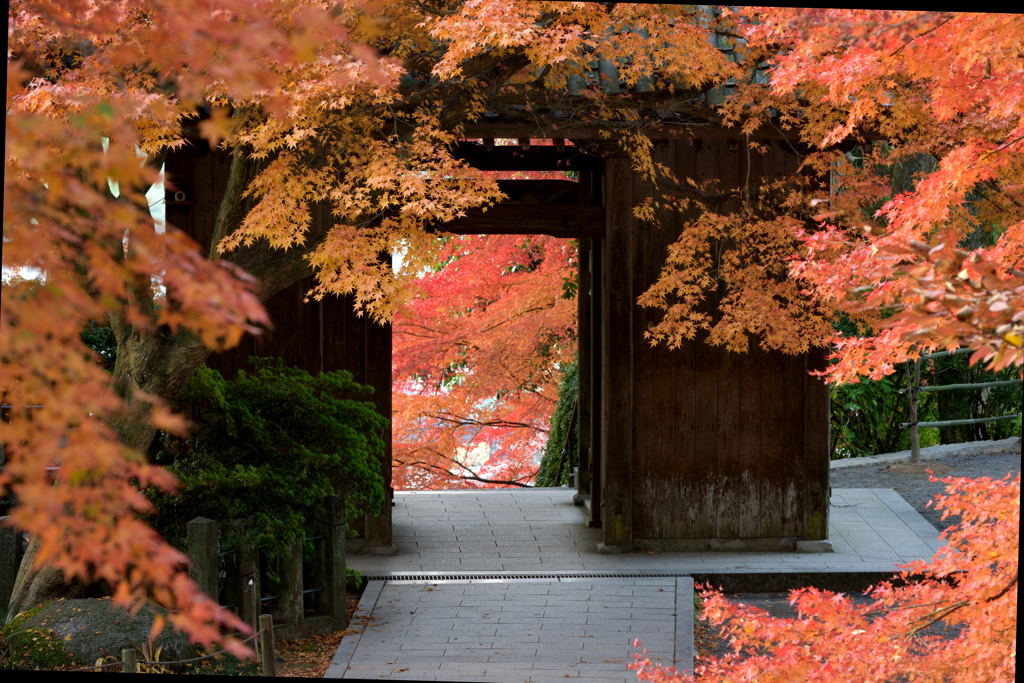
<point x="535" y="531"/>
<point x="457" y="603"/>
<point x="537" y="631"/>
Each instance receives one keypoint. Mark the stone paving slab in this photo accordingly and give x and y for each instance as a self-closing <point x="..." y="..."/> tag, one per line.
<point x="872" y="530"/>
<point x="529" y="631"/>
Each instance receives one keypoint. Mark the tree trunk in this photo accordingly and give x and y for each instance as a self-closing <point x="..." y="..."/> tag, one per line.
<point x="35" y="587"/>
<point x="159" y="365"/>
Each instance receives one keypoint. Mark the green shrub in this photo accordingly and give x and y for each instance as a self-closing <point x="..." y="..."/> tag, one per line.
<point x="563" y="441"/>
<point x="100" y="338"/>
<point x="354" y="580"/>
<point x="866" y="417"/>
<point x="270" y="448"/>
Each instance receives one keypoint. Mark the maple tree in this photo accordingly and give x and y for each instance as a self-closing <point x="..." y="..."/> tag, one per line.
<point x="907" y="85"/>
<point x="970" y="586"/>
<point x="79" y="73"/>
<point x="476" y="358"/>
<point x="357" y="105"/>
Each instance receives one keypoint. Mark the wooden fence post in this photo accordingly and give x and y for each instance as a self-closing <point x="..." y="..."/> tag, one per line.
<point x="9" y="539"/>
<point x="266" y="626"/>
<point x="249" y="573"/>
<point x="201" y="546"/>
<point x="914" y="380"/>
<point x="334" y="561"/>
<point x="290" y="604"/>
<point x="129" y="661"/>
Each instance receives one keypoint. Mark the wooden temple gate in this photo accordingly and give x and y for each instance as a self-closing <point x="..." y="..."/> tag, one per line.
<point x="691" y="449"/>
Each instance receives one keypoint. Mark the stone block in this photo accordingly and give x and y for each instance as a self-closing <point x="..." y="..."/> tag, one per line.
<point x="819" y="546"/>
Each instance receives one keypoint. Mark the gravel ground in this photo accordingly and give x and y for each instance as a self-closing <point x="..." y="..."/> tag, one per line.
<point x="912" y="483"/>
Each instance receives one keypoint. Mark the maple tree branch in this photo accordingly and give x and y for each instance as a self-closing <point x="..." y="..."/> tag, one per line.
<point x="991" y="184"/>
<point x="468" y="421"/>
<point x="416" y="334"/>
<point x="231" y="211"/>
<point x="923" y="34"/>
<point x="485" y="480"/>
<point x="1006" y="588"/>
<point x="678" y="188"/>
<point x="746" y="179"/>
<point x="789" y="144"/>
<point x="517" y="315"/>
<point x="433" y="9"/>
<point x="472" y="476"/>
<point x="274" y="268"/>
<point x="895" y="608"/>
<point x="1000" y="148"/>
<point x="401" y="329"/>
<point x="936" y="616"/>
<point x="940" y="614"/>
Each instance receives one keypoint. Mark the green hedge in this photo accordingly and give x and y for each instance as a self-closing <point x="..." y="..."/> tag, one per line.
<point x="270" y="447"/>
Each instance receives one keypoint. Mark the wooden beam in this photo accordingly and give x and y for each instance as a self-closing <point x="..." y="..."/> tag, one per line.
<point x="539" y="191"/>
<point x="666" y="131"/>
<point x="514" y="158"/>
<point x="557" y="220"/>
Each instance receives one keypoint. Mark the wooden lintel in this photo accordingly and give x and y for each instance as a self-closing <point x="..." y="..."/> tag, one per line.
<point x="515" y="158"/>
<point x="557" y="220"/>
<point x="667" y="131"/>
<point x="705" y="131"/>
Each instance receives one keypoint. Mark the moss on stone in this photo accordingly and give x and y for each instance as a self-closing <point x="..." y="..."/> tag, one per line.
<point x="22" y="617"/>
<point x="34" y="648"/>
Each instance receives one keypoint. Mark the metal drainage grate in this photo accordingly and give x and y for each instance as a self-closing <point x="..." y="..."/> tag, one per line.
<point x="505" y="576"/>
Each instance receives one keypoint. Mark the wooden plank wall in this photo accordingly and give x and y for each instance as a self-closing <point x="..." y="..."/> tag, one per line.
<point x="703" y="448"/>
<point x="315" y="336"/>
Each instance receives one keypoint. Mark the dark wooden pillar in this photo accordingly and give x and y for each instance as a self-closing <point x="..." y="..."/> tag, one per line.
<point x="583" y="353"/>
<point x="700" y="448"/>
<point x="363" y="347"/>
<point x="586" y="347"/>
<point x="377" y="371"/>
<point x="617" y="304"/>
<point x="594" y="399"/>
<point x="817" y="491"/>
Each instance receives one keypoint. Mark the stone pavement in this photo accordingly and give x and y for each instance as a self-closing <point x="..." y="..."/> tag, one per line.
<point x="536" y="631"/>
<point x="540" y="531"/>
<point x="502" y="585"/>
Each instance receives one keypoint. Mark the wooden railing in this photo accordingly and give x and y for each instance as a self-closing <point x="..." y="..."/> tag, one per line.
<point x="914" y="387"/>
<point x="309" y="597"/>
